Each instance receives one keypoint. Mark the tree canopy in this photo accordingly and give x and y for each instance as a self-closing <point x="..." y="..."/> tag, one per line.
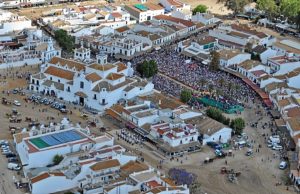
<point x="237" y="6"/>
<point x="147" y="69"/>
<point x="200" y="8"/>
<point x="268" y="6"/>
<point x="237" y="125"/>
<point x="215" y="60"/>
<point x="185" y="95"/>
<point x="64" y="40"/>
<point x="57" y="159"/>
<point x="182" y="177"/>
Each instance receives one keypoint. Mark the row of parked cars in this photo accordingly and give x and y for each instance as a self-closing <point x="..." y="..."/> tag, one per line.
<point x="11" y="156"/>
<point x="59" y="106"/>
<point x="274" y="142"/>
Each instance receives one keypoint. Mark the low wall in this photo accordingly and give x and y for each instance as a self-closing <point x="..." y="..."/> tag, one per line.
<point x="34" y="61"/>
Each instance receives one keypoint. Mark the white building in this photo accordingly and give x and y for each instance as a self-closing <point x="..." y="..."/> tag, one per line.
<point x="175" y="134"/>
<point x="96" y="85"/>
<point x="144" y="12"/>
<point x="285" y="47"/>
<point x="232" y="57"/>
<point x="10" y="22"/>
<point x="174" y="5"/>
<point x="205" y="18"/>
<point x="283" y="64"/>
<point x="34" y="52"/>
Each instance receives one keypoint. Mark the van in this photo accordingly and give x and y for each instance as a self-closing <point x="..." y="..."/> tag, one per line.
<point x="282" y="165"/>
<point x="13" y="166"/>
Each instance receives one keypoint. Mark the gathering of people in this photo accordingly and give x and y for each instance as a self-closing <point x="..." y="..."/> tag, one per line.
<point x="129" y="137"/>
<point x="177" y="73"/>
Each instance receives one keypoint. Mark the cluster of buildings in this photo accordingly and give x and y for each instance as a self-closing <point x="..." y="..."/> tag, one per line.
<point x="173" y="130"/>
<point x="95" y="84"/>
<point x="90" y="164"/>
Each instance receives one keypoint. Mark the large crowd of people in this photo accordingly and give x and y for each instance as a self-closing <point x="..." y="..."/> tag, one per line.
<point x="175" y="68"/>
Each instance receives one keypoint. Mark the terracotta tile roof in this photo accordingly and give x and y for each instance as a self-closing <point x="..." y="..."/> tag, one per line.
<point x="105" y="165"/>
<point x="175" y="20"/>
<point x="19" y="136"/>
<point x="169" y="181"/>
<point x="58" y="72"/>
<point x="102" y="67"/>
<point x="246" y="29"/>
<point x="133" y="166"/>
<point x="249" y="64"/>
<point x="121" y="66"/>
<point x="283" y="102"/>
<point x="293" y="112"/>
<point x="70" y="63"/>
<point x="152" y="184"/>
<point x="228" y="54"/>
<point x="258" y="73"/>
<point x="259" y="49"/>
<point x="206" y="40"/>
<point x="122" y="29"/>
<point x="40" y="177"/>
<point x="116" y="15"/>
<point x="294" y="123"/>
<point x="114" y="76"/>
<point x="93" y="77"/>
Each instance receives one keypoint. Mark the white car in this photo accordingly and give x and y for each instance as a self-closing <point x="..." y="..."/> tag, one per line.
<point x="17" y="103"/>
<point x="277" y="147"/>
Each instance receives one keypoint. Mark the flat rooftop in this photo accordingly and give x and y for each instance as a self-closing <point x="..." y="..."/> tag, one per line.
<point x="55" y="139"/>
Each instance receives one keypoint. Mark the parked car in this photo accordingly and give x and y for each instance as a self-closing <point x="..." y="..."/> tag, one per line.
<point x="277" y="147"/>
<point x="10" y="155"/>
<point x="282" y="165"/>
<point x="13" y="166"/>
<point x="6" y="152"/>
<point x="249" y="152"/>
<point x="17" y="103"/>
<point x="13" y="159"/>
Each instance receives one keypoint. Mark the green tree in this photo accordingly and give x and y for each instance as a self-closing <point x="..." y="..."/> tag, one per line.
<point x="64" y="40"/>
<point x="200" y="8"/>
<point x="215" y="60"/>
<point x="147" y="68"/>
<point x="185" y="95"/>
<point x="269" y="7"/>
<point x="291" y="10"/>
<point x="237" y="6"/>
<point x="57" y="159"/>
<point x="237" y="125"/>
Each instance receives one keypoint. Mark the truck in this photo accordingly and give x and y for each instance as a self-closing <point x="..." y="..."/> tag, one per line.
<point x="13" y="166"/>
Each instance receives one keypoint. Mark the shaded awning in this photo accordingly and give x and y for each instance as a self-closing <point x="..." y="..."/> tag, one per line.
<point x="81" y="94"/>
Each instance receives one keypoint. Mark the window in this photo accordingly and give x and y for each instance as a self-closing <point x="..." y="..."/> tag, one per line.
<point x="58" y="80"/>
<point x="51" y="78"/>
<point x="95" y="97"/>
<point x="68" y="89"/>
<point x="37" y="82"/>
<point x="81" y="85"/>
